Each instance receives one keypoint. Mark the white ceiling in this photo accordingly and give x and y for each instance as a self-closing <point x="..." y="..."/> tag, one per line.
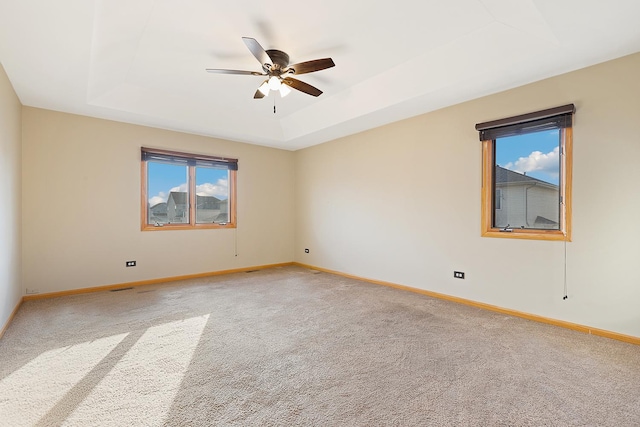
<point x="143" y="61"/>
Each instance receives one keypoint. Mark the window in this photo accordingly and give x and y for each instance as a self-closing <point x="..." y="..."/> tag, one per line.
<point x="526" y="180"/>
<point x="498" y="200"/>
<point x="186" y="191"/>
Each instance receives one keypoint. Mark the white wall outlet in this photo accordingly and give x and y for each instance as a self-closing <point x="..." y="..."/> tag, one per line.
<point x="31" y="291"/>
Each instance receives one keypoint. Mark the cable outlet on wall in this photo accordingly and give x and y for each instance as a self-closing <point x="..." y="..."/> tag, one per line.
<point x="458" y="274"/>
<point x="131" y="264"/>
<point x="306" y="251"/>
<point x="31" y="291"/>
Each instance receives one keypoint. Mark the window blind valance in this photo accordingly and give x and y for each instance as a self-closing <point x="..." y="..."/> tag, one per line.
<point x="552" y="118"/>
<point x="172" y="157"/>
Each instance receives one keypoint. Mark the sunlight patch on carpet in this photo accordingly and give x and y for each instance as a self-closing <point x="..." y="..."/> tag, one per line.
<point x="31" y="391"/>
<point x="142" y="385"/>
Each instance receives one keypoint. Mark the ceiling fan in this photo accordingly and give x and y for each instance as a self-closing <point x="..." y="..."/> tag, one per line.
<point x="275" y="65"/>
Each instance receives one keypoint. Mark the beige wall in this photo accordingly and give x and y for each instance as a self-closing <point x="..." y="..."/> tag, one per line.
<point x="10" y="128"/>
<point x="401" y="203"/>
<point x="81" y="206"/>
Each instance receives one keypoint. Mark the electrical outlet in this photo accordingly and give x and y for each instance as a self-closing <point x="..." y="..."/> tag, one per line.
<point x="458" y="274"/>
<point x="306" y="251"/>
<point x="31" y="291"/>
<point x="131" y="264"/>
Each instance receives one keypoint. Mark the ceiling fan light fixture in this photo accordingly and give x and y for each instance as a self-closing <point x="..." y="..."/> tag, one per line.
<point x="284" y="90"/>
<point x="264" y="88"/>
<point x="274" y="83"/>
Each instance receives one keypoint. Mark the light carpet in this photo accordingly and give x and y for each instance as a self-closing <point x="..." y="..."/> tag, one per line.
<point x="293" y="347"/>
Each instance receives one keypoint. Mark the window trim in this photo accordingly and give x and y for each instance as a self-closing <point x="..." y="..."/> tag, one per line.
<point x="566" y="174"/>
<point x="192" y="225"/>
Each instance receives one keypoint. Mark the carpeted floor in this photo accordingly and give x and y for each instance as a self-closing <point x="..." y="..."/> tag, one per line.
<point x="290" y="346"/>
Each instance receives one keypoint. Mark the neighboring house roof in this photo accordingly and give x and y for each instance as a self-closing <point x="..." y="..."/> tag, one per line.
<point x="202" y="202"/>
<point x="543" y="220"/>
<point x="178" y="197"/>
<point x="159" y="208"/>
<point x="504" y="176"/>
<point x="207" y="202"/>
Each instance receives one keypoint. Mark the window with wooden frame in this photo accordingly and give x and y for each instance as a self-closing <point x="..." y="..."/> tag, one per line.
<point x="187" y="191"/>
<point x="526" y="178"/>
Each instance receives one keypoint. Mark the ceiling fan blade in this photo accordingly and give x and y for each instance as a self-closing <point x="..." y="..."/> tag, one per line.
<point x="258" y="95"/>
<point x="257" y="50"/>
<point x="311" y="66"/>
<point x="241" y="72"/>
<point x="302" y="86"/>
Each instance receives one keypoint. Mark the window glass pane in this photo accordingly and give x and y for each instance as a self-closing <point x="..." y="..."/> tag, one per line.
<point x="212" y="195"/>
<point x="526" y="178"/>
<point x="167" y="190"/>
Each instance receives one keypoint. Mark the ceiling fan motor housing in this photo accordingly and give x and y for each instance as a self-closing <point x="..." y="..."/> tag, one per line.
<point x="279" y="58"/>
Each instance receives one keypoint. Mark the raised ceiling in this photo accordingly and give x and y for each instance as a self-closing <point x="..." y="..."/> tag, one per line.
<point x="143" y="61"/>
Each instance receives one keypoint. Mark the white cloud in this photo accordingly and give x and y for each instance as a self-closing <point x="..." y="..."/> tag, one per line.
<point x="181" y="188"/>
<point x="220" y="189"/>
<point x="537" y="162"/>
<point x="161" y="197"/>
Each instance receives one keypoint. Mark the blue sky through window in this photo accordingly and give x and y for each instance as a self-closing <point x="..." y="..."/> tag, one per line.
<point x="164" y="178"/>
<point x="537" y="154"/>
